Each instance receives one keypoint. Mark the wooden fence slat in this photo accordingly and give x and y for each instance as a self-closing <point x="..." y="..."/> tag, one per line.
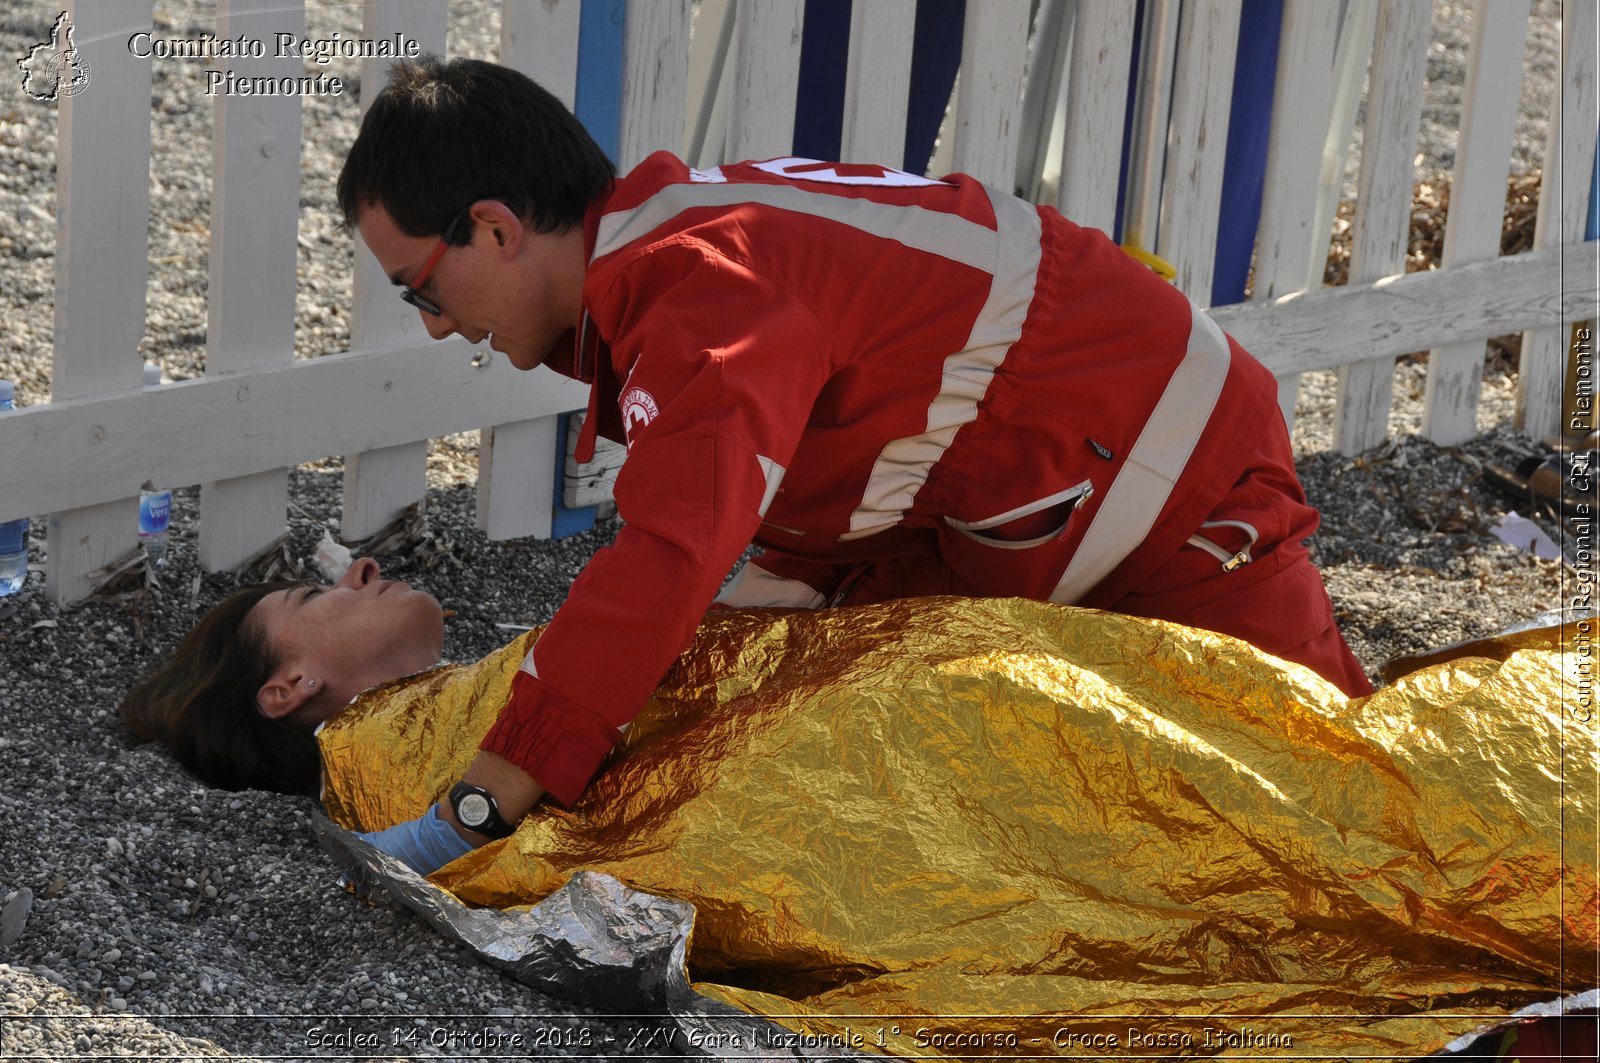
<point x="84" y="451"/>
<point x="655" y="79"/>
<point x="711" y="63"/>
<point x="1147" y="146"/>
<point x="1352" y="59"/>
<point x="1044" y="97"/>
<point x="102" y="258"/>
<point x="1191" y="192"/>
<point x="994" y="46"/>
<point x="1097" y="95"/>
<point x="590" y="483"/>
<point x="766" y="78"/>
<point x="514" y="496"/>
<point x="942" y="161"/>
<point x="380" y="484"/>
<point x="876" y="82"/>
<point x="539" y="38"/>
<point x="1383" y="208"/>
<point x="1291" y="245"/>
<point x="1302" y="100"/>
<point x="1477" y="202"/>
<point x="1327" y="327"/>
<point x="255" y="205"/>
<point x="1563" y="202"/>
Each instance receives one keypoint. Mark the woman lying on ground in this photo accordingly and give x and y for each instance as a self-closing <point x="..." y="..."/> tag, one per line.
<point x="931" y="806"/>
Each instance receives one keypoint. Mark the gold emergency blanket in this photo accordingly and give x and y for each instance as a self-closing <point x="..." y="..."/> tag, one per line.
<point x="1152" y="839"/>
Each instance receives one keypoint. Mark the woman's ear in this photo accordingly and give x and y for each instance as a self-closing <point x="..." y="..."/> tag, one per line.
<point x="284" y="692"/>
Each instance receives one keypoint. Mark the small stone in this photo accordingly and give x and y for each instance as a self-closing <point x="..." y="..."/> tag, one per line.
<point x="112" y="955"/>
<point x="14" y="916"/>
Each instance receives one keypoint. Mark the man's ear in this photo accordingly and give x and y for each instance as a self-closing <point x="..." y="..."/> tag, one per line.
<point x="503" y="225"/>
<point x="283" y="693"/>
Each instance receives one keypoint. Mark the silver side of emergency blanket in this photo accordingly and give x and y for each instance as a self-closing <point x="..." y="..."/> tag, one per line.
<point x="594" y="940"/>
<point x="1584" y="1004"/>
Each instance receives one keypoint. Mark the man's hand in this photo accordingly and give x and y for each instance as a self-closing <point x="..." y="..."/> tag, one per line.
<point x="424" y="844"/>
<point x="435" y="838"/>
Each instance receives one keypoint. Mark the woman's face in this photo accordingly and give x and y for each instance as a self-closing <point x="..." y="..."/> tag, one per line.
<point x="331" y="643"/>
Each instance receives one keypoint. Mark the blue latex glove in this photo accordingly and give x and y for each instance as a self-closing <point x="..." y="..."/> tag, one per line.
<point x="425" y="844"/>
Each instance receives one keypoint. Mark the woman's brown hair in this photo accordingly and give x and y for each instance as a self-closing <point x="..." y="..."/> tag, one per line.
<point x="201" y="705"/>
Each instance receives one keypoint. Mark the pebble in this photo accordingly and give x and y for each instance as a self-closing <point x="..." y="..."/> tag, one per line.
<point x="14" y="916"/>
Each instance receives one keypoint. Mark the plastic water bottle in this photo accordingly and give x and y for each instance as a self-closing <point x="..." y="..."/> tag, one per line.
<point x="155" y="505"/>
<point x="13" y="533"/>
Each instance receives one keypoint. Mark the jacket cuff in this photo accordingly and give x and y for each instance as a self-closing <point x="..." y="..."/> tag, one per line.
<point x="552" y="738"/>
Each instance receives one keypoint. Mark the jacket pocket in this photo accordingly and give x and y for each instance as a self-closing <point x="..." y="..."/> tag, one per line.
<point x="1029" y="525"/>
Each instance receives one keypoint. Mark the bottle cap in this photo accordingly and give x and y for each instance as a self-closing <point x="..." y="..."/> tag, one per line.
<point x="8" y="391"/>
<point x="152" y="374"/>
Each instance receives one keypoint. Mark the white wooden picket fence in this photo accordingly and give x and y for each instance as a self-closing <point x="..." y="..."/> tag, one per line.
<point x="82" y="457"/>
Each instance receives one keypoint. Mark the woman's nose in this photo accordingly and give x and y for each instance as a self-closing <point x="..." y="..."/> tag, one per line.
<point x="362" y="571"/>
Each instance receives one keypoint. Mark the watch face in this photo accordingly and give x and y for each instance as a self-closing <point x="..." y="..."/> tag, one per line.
<point x="473" y="810"/>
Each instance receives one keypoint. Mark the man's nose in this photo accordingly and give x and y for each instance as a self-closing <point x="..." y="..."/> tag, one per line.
<point x="439" y="326"/>
<point x="362" y="571"/>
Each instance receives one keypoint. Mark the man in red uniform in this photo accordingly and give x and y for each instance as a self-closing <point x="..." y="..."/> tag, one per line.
<point x="895" y="385"/>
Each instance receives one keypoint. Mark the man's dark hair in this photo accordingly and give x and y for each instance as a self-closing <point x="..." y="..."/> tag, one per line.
<point x="445" y="134"/>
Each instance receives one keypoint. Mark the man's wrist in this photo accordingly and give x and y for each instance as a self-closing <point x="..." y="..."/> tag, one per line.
<point x="515" y="792"/>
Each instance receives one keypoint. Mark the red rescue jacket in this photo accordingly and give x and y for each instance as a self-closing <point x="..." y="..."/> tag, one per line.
<point x="844" y="362"/>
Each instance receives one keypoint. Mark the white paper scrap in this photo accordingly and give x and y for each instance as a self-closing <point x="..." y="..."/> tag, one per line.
<point x="1524" y="534"/>
<point x="331" y="559"/>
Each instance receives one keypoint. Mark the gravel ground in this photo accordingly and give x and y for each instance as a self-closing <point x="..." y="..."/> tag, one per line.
<point x="145" y="915"/>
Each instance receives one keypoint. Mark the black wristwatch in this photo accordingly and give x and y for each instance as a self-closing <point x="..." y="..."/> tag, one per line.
<point x="476" y="810"/>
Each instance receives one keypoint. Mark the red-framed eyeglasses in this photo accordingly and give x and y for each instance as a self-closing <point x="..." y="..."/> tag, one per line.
<point x="410" y="292"/>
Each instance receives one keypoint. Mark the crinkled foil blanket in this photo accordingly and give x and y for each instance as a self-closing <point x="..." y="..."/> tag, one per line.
<point x="1004" y="828"/>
